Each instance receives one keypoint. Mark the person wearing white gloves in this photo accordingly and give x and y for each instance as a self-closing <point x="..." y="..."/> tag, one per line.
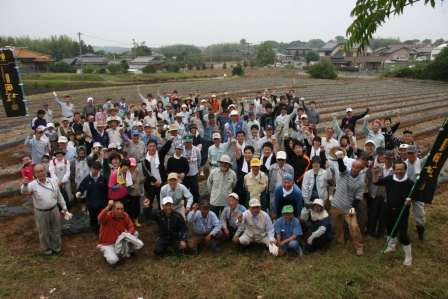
<point x="349" y="193"/>
<point x="319" y="220"/>
<point x="257" y="224"/>
<point x="288" y="232"/>
<point x="398" y="187"/>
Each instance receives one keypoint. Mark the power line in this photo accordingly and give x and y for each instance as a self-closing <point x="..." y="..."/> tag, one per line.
<point x="107" y="40"/>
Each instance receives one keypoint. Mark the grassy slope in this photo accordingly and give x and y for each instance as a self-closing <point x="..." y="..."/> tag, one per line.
<point x="82" y="273"/>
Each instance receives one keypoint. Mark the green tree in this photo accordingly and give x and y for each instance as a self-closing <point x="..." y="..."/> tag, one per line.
<point x="204" y="67"/>
<point x="149" y="69"/>
<point x="322" y="70"/>
<point x="243" y="41"/>
<point x="62" y="67"/>
<point x="189" y="66"/>
<point x="315" y="43"/>
<point x="383" y="42"/>
<point x="265" y="54"/>
<point x="438" y="68"/>
<point x="369" y="14"/>
<point x="238" y="70"/>
<point x="114" y="68"/>
<point x="427" y="41"/>
<point x="312" y="56"/>
<point x="124" y="66"/>
<point x="411" y="41"/>
<point x="224" y="65"/>
<point x="245" y="63"/>
<point x="339" y="39"/>
<point x="212" y="66"/>
<point x="438" y="42"/>
<point x="198" y="66"/>
<point x="90" y="68"/>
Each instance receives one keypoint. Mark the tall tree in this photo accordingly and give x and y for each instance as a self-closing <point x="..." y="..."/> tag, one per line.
<point x="315" y="43"/>
<point x="369" y="14"/>
<point x="243" y="41"/>
<point x="265" y="54"/>
<point x="339" y="39"/>
<point x="438" y="42"/>
<point x="427" y="41"/>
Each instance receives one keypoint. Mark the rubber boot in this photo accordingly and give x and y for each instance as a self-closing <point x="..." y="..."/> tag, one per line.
<point x="95" y="233"/>
<point x="136" y="222"/>
<point x="421" y="233"/>
<point x="215" y="245"/>
<point x="392" y="245"/>
<point x="407" y="255"/>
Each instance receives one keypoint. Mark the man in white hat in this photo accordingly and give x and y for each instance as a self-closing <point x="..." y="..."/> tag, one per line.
<point x="352" y="119"/>
<point x="150" y="118"/>
<point x="89" y="108"/>
<point x="178" y="193"/>
<point x="228" y="217"/>
<point x="218" y="149"/>
<point x="257" y="226"/>
<point x="172" y="227"/>
<point x="69" y="151"/>
<point x="221" y="182"/>
<point x="276" y="173"/>
<point x="38" y="146"/>
<point x="234" y="126"/>
<point x="67" y="108"/>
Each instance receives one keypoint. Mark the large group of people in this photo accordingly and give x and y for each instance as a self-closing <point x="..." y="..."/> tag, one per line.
<point x="272" y="179"/>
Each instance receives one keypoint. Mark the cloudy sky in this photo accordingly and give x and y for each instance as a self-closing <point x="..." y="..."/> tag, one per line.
<point x="204" y="22"/>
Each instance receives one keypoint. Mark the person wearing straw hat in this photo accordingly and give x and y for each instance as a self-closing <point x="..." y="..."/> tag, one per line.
<point x="320" y="222"/>
<point x="99" y="134"/>
<point x="257" y="226"/>
<point x="173" y="131"/>
<point x="172" y="227"/>
<point x="113" y="113"/>
<point x="64" y="129"/>
<point x="348" y="195"/>
<point x="398" y="187"/>
<point x="256" y="184"/>
<point x="37" y="145"/>
<point x="114" y="132"/>
<point x="221" y="182"/>
<point x="288" y="232"/>
<point x="180" y="124"/>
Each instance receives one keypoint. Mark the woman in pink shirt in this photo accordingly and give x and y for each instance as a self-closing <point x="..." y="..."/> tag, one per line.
<point x="120" y="181"/>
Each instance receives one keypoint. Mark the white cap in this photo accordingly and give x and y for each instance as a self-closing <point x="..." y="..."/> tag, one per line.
<point x="403" y="145"/>
<point x="62" y="139"/>
<point x="184" y="106"/>
<point x="370" y="141"/>
<point x="234" y="112"/>
<point x="166" y="200"/>
<point x="216" y="135"/>
<point x="348" y="110"/>
<point x="97" y="144"/>
<point x="304" y="116"/>
<point x="139" y="123"/>
<point x="50" y="125"/>
<point x="203" y="101"/>
<point x="89" y="99"/>
<point x="281" y="155"/>
<point x="149" y="109"/>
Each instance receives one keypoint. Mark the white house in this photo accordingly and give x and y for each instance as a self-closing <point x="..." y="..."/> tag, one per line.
<point x="436" y="51"/>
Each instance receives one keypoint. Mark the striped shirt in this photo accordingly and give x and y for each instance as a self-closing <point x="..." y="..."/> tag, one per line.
<point x="349" y="189"/>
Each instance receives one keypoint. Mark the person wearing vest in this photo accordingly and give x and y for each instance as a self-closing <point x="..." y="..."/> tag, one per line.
<point x="229" y="217"/>
<point x="315" y="182"/>
<point x="64" y="129"/>
<point x="288" y="231"/>
<point x="193" y="156"/>
<point x="256" y="184"/>
<point x="320" y="222"/>
<point x="414" y="166"/>
<point x="257" y="225"/>
<point x="60" y="171"/>
<point x="79" y="170"/>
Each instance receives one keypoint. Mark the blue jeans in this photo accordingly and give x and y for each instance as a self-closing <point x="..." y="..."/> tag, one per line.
<point x="294" y="244"/>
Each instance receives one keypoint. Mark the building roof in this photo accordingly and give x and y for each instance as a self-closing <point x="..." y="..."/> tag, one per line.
<point x="70" y="61"/>
<point x="142" y="59"/>
<point x="409" y="46"/>
<point x="297" y="48"/>
<point x="338" y="55"/>
<point x="22" y="53"/>
<point x="329" y="46"/>
<point x="392" y="50"/>
<point x="340" y="61"/>
<point x="424" y="50"/>
<point x="136" y="66"/>
<point x="92" y="58"/>
<point x="379" y="49"/>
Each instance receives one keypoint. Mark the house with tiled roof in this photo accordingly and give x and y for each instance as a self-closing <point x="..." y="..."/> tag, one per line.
<point x="32" y="62"/>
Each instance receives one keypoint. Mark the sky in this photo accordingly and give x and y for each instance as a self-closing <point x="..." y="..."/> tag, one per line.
<point x="205" y="22"/>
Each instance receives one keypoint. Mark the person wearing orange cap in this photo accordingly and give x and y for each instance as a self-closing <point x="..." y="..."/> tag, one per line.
<point x="256" y="184"/>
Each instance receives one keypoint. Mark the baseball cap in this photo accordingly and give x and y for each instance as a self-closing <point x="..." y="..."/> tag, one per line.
<point x="149" y="125"/>
<point x="234" y="112"/>
<point x="50" y="125"/>
<point x="135" y="132"/>
<point x="389" y="155"/>
<point x="281" y="155"/>
<point x="304" y="116"/>
<point x="412" y="149"/>
<point x="204" y="203"/>
<point x="62" y="139"/>
<point x="255" y="162"/>
<point x="403" y="146"/>
<point x="188" y="138"/>
<point x="269" y="127"/>
<point x="216" y="136"/>
<point x="234" y="195"/>
<point x="316" y="159"/>
<point x="349" y="110"/>
<point x="250" y="112"/>
<point x="166" y="200"/>
<point x="287" y="177"/>
<point x="254" y="202"/>
<point x="139" y="123"/>
<point x="133" y="162"/>
<point x="370" y="141"/>
<point x="203" y="101"/>
<point x="288" y="209"/>
<point x="173" y="175"/>
<point x="179" y="146"/>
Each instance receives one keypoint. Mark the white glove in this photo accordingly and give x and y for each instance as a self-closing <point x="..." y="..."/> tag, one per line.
<point x="68" y="216"/>
<point x="199" y="146"/>
<point x="333" y="115"/>
<point x="296" y="105"/>
<point x="54" y="93"/>
<point x="281" y="124"/>
<point x="352" y="211"/>
<point x="302" y="99"/>
<point x="175" y="102"/>
<point x="339" y="154"/>
<point x="367" y="116"/>
<point x="166" y="127"/>
<point x="273" y="249"/>
<point x="311" y="238"/>
<point x="226" y="126"/>
<point x="202" y="107"/>
<point x="78" y="194"/>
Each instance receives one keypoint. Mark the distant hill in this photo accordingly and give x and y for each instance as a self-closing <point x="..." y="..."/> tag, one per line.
<point x="116" y="50"/>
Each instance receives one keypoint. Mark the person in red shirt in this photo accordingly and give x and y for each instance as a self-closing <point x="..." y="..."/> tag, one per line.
<point x="114" y="221"/>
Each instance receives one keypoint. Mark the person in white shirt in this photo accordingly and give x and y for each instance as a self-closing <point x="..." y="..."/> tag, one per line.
<point x="150" y="119"/>
<point x="329" y="142"/>
<point x="60" y="172"/>
<point x="114" y="132"/>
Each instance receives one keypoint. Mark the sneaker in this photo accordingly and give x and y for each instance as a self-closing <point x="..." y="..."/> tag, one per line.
<point x="389" y="249"/>
<point x="133" y="254"/>
<point x="359" y="253"/>
<point x="58" y="252"/>
<point x="407" y="263"/>
<point x="47" y="255"/>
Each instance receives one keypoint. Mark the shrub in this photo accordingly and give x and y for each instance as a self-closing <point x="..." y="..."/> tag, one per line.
<point x="204" y="67"/>
<point x="114" y="68"/>
<point x="238" y="70"/>
<point x="90" y="69"/>
<point x="347" y="69"/>
<point x="322" y="70"/>
<point x="62" y="67"/>
<point x="212" y="66"/>
<point x="224" y="65"/>
<point x="149" y="69"/>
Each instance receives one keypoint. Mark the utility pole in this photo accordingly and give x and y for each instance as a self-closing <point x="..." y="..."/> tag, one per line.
<point x="248" y="52"/>
<point x="210" y="54"/>
<point x="80" y="56"/>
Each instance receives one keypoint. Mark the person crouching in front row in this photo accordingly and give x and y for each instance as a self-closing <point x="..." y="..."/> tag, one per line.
<point x="288" y="231"/>
<point x="320" y="221"/>
<point x="228" y="218"/>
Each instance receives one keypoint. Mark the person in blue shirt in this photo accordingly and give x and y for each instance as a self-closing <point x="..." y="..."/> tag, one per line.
<point x="235" y="125"/>
<point x="149" y="135"/>
<point x="223" y="119"/>
<point x="206" y="226"/>
<point x="320" y="221"/>
<point x="287" y="193"/>
<point x="288" y="231"/>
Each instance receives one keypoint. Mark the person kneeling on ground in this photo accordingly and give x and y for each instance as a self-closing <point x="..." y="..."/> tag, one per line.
<point x="257" y="226"/>
<point x="320" y="221"/>
<point x="228" y="218"/>
<point x="172" y="227"/>
<point x="117" y="233"/>
<point x="205" y="226"/>
<point x="288" y="231"/>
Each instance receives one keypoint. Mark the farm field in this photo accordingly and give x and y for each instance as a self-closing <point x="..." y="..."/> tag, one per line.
<point x="82" y="273"/>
